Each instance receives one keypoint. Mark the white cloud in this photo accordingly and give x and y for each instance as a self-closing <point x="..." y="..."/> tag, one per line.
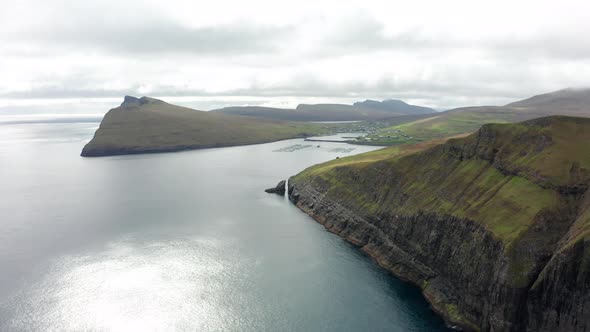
<point x="441" y="53"/>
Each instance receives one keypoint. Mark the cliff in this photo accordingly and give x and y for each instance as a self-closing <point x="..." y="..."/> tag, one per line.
<point x="494" y="227"/>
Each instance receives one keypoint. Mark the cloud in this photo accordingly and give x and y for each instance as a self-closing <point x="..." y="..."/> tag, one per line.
<point x="443" y="90"/>
<point x="445" y="54"/>
<point x="364" y="33"/>
<point x="155" y="36"/>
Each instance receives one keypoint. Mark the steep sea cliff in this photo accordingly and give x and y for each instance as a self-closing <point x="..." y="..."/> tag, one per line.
<point x="494" y="227"/>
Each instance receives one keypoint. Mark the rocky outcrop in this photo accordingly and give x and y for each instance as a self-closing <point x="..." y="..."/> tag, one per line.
<point x="481" y="224"/>
<point x="279" y="189"/>
<point x="130" y="101"/>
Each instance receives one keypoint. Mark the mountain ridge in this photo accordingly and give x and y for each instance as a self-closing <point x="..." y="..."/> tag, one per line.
<point x="359" y="111"/>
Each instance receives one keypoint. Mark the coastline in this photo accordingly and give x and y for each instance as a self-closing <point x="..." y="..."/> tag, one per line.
<point x="181" y="148"/>
<point x="452" y="320"/>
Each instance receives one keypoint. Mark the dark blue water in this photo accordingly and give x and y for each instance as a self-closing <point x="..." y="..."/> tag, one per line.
<point x="180" y="241"/>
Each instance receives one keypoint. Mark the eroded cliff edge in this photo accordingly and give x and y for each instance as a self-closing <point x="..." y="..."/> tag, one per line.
<point x="494" y="227"/>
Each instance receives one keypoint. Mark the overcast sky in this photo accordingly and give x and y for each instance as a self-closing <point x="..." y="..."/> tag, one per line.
<point x="438" y="53"/>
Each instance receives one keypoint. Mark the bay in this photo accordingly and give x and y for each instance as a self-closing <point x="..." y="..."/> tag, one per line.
<point x="179" y="241"/>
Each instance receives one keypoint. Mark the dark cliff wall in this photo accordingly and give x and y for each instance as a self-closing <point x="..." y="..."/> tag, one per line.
<point x="559" y="300"/>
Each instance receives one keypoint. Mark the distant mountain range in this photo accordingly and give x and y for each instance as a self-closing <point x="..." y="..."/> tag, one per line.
<point x="359" y="111"/>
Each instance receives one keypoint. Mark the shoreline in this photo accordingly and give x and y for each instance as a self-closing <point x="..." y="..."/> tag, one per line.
<point x="124" y="152"/>
<point x="453" y="321"/>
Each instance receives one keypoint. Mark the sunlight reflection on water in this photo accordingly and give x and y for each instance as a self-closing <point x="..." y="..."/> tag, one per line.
<point x="155" y="286"/>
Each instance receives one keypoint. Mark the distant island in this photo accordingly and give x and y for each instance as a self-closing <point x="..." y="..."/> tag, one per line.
<point x="493" y="227"/>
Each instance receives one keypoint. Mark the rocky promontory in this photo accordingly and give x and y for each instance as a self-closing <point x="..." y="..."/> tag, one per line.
<point x="279" y="189"/>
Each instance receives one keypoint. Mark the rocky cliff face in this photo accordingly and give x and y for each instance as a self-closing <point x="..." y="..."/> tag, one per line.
<point x="495" y="228"/>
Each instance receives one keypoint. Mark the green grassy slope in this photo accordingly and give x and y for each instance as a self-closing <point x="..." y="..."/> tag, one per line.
<point x="569" y="102"/>
<point x="364" y="159"/>
<point x="150" y="125"/>
<point x="503" y="176"/>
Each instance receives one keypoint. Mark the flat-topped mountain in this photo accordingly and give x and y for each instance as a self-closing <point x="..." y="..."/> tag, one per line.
<point x="145" y="125"/>
<point x="571" y="102"/>
<point x="283" y="114"/>
<point x="394" y="106"/>
<point x="359" y="111"/>
<point x="494" y="227"/>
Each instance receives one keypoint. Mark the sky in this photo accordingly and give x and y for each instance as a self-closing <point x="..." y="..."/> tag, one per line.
<point x="209" y="54"/>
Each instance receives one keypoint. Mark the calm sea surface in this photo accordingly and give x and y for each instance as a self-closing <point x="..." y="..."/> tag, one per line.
<point x="178" y="241"/>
